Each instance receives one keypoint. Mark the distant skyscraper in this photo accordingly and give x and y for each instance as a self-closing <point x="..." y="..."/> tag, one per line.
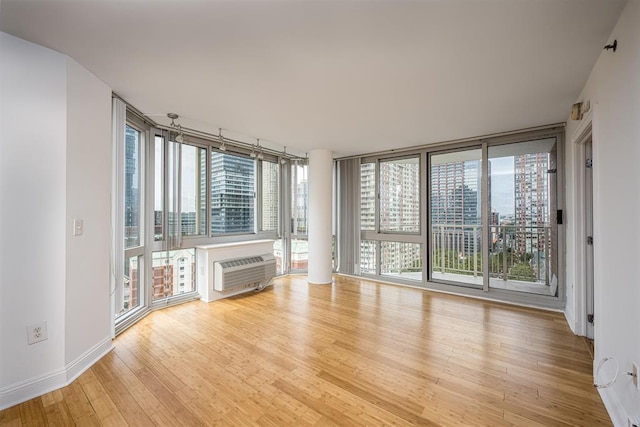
<point x="232" y="193"/>
<point x="367" y="195"/>
<point x="399" y="211"/>
<point x="531" y="200"/>
<point x="399" y="196"/>
<point x="132" y="188"/>
<point x="270" y="199"/>
<point x="456" y="205"/>
<point x="202" y="207"/>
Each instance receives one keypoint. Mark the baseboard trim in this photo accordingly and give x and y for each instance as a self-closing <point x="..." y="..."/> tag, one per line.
<point x="571" y="321"/>
<point x="613" y="406"/>
<point x="87" y="360"/>
<point x="34" y="387"/>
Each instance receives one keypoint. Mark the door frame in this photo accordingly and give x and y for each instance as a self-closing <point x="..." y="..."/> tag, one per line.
<point x="583" y="133"/>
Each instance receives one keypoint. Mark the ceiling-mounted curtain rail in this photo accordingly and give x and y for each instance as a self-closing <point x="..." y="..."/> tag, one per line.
<point x="205" y="135"/>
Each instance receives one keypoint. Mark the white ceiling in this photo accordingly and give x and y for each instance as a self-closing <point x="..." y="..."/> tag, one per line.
<point x="349" y="76"/>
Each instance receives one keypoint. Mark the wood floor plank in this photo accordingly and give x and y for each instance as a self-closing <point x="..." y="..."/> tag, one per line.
<point x="352" y="353"/>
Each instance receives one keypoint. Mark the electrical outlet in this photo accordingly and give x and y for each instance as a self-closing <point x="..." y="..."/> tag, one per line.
<point x="37" y="332"/>
<point x="634" y="376"/>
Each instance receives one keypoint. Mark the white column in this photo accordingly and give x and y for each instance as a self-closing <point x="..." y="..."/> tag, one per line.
<point x="320" y="210"/>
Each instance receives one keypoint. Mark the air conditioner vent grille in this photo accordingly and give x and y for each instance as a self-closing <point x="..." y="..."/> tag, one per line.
<point x="242" y="261"/>
<point x="244" y="272"/>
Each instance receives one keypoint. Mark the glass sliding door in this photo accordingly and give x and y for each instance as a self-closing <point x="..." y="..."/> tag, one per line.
<point x="522" y="224"/>
<point x="456" y="217"/>
<point x="489" y="224"/>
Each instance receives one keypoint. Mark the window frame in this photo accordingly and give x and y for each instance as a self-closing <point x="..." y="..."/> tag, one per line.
<point x="425" y="153"/>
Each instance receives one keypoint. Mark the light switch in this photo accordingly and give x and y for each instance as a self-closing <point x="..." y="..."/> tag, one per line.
<point x="77" y="227"/>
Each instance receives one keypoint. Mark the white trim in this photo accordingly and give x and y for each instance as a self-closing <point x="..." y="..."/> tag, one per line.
<point x="613" y="406"/>
<point x="587" y="119"/>
<point x="87" y="359"/>
<point x="34" y="387"/>
<point x="579" y="287"/>
<point x="570" y="318"/>
<point x="116" y="264"/>
<point x="579" y="136"/>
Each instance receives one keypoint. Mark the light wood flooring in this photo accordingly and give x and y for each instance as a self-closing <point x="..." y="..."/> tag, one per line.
<point x="354" y="353"/>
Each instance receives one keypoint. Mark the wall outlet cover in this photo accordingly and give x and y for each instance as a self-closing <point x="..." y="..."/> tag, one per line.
<point x="37" y="332"/>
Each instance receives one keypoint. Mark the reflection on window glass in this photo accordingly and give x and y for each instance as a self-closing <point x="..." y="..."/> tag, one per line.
<point x="400" y="195"/>
<point x="402" y="260"/>
<point x="367" y="196"/>
<point x="232" y="193"/>
<point x="132" y="190"/>
<point x="173" y="273"/>
<point x="193" y="194"/>
<point x="368" y="257"/>
<point x="522" y="236"/>
<point x="270" y="191"/>
<point x="299" y="198"/>
<point x="456" y="217"/>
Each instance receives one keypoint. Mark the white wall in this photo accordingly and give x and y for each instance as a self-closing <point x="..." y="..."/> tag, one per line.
<point x="613" y="90"/>
<point x="49" y="108"/>
<point x="32" y="167"/>
<point x="88" y="198"/>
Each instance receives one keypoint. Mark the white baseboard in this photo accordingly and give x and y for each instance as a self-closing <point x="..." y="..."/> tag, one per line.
<point x="571" y="321"/>
<point x="613" y="406"/>
<point x="34" y="387"/>
<point x="87" y="360"/>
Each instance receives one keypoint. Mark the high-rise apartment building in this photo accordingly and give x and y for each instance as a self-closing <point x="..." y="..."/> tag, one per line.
<point x="270" y="196"/>
<point x="132" y="188"/>
<point x="232" y="193"/>
<point x="531" y="188"/>
<point x="399" y="210"/>
<point x="367" y="196"/>
<point x="456" y="205"/>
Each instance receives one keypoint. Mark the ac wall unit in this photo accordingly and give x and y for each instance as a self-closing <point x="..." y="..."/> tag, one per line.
<point x="239" y="273"/>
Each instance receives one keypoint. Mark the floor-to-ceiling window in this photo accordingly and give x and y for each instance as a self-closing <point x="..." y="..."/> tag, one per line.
<point x="485" y="212"/>
<point x="299" y="242"/>
<point x="390" y="218"/>
<point x="455" y="214"/>
<point x="179" y="191"/>
<point x="132" y="295"/>
<point x="522" y="224"/>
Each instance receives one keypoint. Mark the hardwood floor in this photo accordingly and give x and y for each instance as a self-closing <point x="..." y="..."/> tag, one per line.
<point x="355" y="353"/>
